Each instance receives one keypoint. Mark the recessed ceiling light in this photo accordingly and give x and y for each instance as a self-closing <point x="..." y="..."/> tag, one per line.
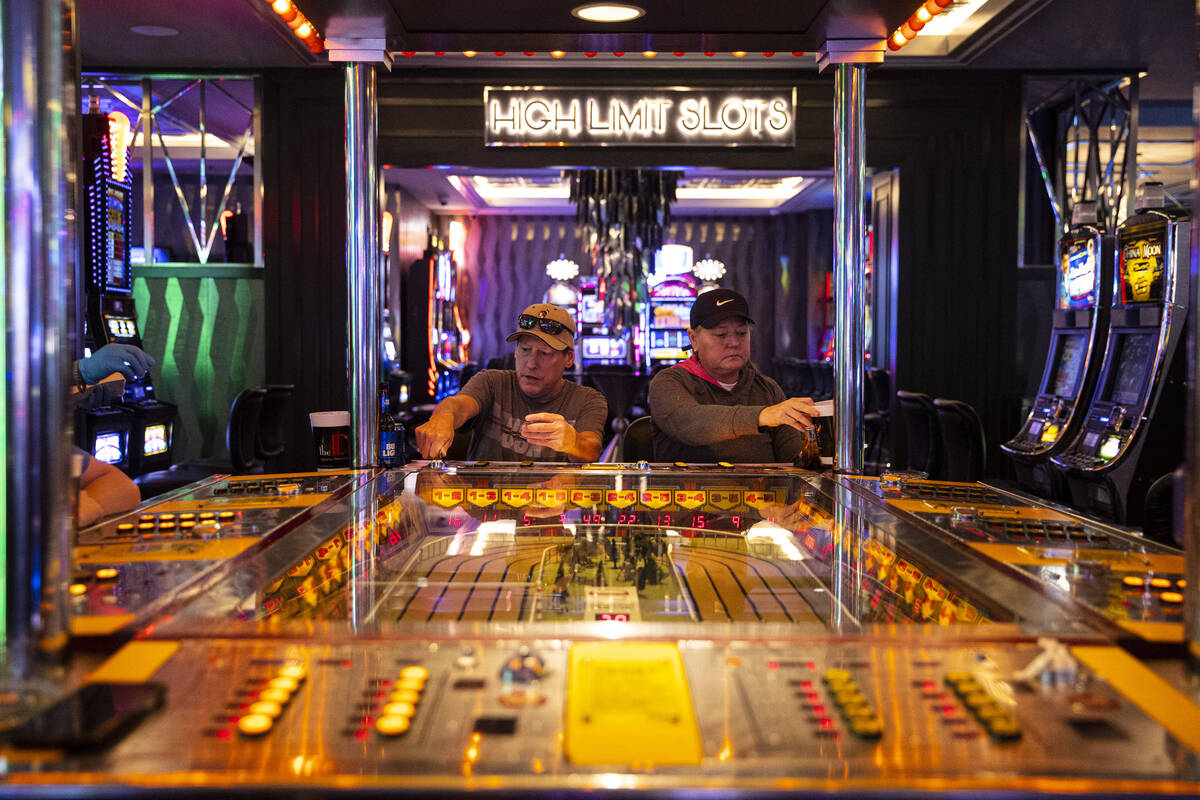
<point x="607" y="12"/>
<point x="154" y="30"/>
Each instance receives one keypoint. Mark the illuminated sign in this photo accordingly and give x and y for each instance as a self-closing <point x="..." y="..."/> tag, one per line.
<point x="537" y="115"/>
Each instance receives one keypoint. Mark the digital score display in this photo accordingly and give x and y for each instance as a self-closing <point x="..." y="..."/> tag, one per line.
<point x="1077" y="274"/>
<point x="606" y="616"/>
<point x="725" y="523"/>
<point x="115" y="256"/>
<point x="1141" y="268"/>
<point x="558" y="116"/>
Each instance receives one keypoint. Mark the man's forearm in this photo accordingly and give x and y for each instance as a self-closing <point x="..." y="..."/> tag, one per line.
<point x="585" y="447"/>
<point x="456" y="408"/>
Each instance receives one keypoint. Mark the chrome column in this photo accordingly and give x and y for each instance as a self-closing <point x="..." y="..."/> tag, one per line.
<point x="362" y="261"/>
<point x="849" y="239"/>
<point x="37" y="500"/>
<point x="1191" y="494"/>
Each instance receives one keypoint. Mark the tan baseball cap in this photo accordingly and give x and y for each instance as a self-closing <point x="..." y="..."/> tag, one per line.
<point x="551" y="324"/>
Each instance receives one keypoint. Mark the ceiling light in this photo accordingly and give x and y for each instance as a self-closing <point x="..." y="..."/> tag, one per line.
<point x="154" y="30"/>
<point x="607" y="12"/>
<point x="562" y="269"/>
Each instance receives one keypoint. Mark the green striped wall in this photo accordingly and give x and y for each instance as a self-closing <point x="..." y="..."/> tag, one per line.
<point x="204" y="327"/>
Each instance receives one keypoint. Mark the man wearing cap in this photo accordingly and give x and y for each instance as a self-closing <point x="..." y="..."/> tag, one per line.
<point x="716" y="406"/>
<point x="528" y="413"/>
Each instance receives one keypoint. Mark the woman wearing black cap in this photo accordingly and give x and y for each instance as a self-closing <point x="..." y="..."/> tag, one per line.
<point x="716" y="406"/>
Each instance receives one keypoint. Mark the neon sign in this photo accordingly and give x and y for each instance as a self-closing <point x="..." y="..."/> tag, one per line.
<point x="537" y="115"/>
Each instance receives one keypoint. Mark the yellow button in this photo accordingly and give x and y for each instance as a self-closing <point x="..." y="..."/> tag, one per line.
<point x="1160" y="583"/>
<point x="398" y="710"/>
<point x="867" y="728"/>
<point x="288" y="685"/>
<point x="853" y="710"/>
<point x="836" y="675"/>
<point x="1181" y="583"/>
<point x="187" y="525"/>
<point x="77" y="589"/>
<point x="275" y="696"/>
<point x="255" y="724"/>
<point x="187" y="515"/>
<point x="226" y="515"/>
<point x="295" y="671"/>
<point x="414" y="672"/>
<point x="1004" y="727"/>
<point x="288" y="488"/>
<point x="957" y="677"/>
<point x="106" y="573"/>
<point x="146" y="518"/>
<point x="1171" y="597"/>
<point x="207" y="515"/>
<point x="1133" y="580"/>
<point x="969" y="686"/>
<point x="988" y="711"/>
<point x="411" y="684"/>
<point x="266" y="708"/>
<point x="848" y="697"/>
<point x="404" y="696"/>
<point x="125" y="526"/>
<point x="145" y="526"/>
<point x="165" y="517"/>
<point x="977" y="699"/>
<point x="391" y="726"/>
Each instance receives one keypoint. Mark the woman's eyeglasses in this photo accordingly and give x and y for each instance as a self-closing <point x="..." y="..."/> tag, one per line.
<point x="528" y="323"/>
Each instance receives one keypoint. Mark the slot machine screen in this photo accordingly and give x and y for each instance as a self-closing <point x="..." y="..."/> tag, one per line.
<point x="1077" y="274"/>
<point x="107" y="448"/>
<point x="116" y="274"/>
<point x="155" y="440"/>
<point x="1068" y="366"/>
<point x="1134" y="360"/>
<point x="604" y="347"/>
<point x="1141" y="268"/>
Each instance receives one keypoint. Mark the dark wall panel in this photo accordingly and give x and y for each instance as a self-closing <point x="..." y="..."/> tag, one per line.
<point x="304" y="228"/>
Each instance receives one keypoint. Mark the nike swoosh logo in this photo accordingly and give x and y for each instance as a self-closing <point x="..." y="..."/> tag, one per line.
<point x="723" y="302"/>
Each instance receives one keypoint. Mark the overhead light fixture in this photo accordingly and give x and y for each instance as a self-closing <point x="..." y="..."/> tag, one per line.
<point x="562" y="269"/>
<point x="607" y="12"/>
<point x="709" y="269"/>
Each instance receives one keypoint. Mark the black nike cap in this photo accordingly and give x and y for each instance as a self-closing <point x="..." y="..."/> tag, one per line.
<point x="717" y="305"/>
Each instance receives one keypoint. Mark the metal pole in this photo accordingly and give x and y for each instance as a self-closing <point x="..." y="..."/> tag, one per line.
<point x="147" y="173"/>
<point x="362" y="261"/>
<point x="36" y="496"/>
<point x="849" y="268"/>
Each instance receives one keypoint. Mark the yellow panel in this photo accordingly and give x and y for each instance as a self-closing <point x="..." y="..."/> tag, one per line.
<point x="990" y="510"/>
<point x="171" y="551"/>
<point x="1149" y="692"/>
<point x="1169" y="632"/>
<point x="1050" y="555"/>
<point x="136" y="662"/>
<point x="628" y="703"/>
<point x="238" y="501"/>
<point x="99" y="624"/>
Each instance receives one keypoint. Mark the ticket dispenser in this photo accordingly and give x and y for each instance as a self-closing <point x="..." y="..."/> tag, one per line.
<point x="1085" y="257"/>
<point x="1133" y="432"/>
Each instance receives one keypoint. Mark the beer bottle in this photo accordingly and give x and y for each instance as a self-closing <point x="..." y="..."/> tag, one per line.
<point x="391" y="433"/>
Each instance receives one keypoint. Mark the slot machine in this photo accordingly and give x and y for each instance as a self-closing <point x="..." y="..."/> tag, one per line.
<point x="134" y="433"/>
<point x="672" y="290"/>
<point x="1085" y="257"/>
<point x="597" y="347"/>
<point x="1132" y="433"/>
<point x="435" y="350"/>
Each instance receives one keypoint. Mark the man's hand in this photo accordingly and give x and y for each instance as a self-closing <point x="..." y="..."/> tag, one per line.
<point x="435" y="436"/>
<point x="797" y="412"/>
<point x="130" y="361"/>
<point x="549" y="430"/>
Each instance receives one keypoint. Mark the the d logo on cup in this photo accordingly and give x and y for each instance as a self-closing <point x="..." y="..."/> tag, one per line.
<point x="331" y="438"/>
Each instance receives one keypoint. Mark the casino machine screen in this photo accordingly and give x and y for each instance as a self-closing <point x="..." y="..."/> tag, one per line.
<point x="115" y="272"/>
<point x="1136" y="357"/>
<point x="1141" y="269"/>
<point x="1069" y="366"/>
<point x="1077" y="275"/>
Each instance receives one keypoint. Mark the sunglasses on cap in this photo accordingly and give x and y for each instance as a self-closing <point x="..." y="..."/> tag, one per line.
<point x="527" y="323"/>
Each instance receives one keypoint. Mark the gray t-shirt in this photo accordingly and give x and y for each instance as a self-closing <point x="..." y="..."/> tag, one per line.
<point x="502" y="408"/>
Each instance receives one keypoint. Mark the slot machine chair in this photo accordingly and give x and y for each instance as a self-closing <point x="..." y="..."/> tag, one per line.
<point x="241" y="436"/>
<point x="921" y="428"/>
<point x="877" y="416"/>
<point x="269" y="441"/>
<point x="964" y="444"/>
<point x="637" y="441"/>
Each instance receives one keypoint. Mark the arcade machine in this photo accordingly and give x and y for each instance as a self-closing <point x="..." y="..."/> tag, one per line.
<point x="136" y="434"/>
<point x="435" y="352"/>
<point x="558" y="631"/>
<point x="398" y="381"/>
<point x="1081" y="311"/>
<point x="672" y="290"/>
<point x="1132" y="432"/>
<point x="597" y="346"/>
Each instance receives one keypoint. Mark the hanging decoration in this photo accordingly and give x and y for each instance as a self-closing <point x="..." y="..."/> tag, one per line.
<point x="621" y="214"/>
